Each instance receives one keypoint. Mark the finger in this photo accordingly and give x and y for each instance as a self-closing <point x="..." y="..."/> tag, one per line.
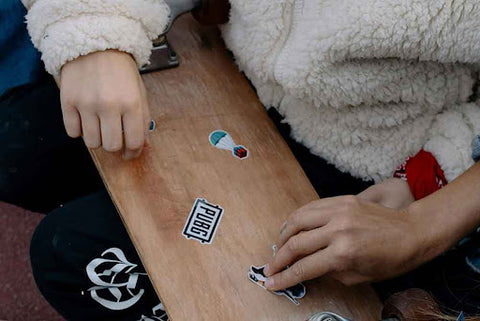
<point x="71" y="120"/>
<point x="328" y="201"/>
<point x="304" y="220"/>
<point x="111" y="127"/>
<point x="134" y="134"/>
<point x="91" y="130"/>
<point x="147" y="118"/>
<point x="311" y="216"/>
<point x="149" y="125"/>
<point x="308" y="268"/>
<point x="296" y="247"/>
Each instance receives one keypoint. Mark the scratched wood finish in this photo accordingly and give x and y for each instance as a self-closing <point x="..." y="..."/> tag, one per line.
<point x="155" y="193"/>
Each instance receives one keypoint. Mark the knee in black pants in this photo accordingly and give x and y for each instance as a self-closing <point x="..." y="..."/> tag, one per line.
<point x="82" y="259"/>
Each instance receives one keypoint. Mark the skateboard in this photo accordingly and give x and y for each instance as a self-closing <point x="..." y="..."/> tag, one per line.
<point x="206" y="200"/>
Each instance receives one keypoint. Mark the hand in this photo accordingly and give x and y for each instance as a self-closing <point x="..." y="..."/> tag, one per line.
<point x="394" y="193"/>
<point x="100" y="93"/>
<point x="348" y="238"/>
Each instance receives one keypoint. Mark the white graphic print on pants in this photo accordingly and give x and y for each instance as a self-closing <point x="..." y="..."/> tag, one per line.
<point x="115" y="284"/>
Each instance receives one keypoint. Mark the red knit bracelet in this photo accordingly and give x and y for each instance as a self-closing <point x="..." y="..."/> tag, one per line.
<point x="422" y="173"/>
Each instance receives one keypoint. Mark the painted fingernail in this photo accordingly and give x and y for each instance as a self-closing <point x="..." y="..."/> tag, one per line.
<point x="269" y="283"/>
<point x="152" y="126"/>
<point x="266" y="269"/>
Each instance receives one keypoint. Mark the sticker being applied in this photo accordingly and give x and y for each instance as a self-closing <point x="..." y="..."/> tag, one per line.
<point x="257" y="276"/>
<point x="203" y="221"/>
<point x="222" y="140"/>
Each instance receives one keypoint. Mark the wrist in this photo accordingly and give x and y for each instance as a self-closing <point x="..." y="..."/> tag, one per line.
<point x="432" y="235"/>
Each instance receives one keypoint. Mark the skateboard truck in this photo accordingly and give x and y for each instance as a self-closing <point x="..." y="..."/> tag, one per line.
<point x="162" y="56"/>
<point x="207" y="12"/>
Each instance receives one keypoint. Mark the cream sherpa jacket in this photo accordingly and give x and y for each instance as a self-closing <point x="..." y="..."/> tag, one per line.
<point x="362" y="83"/>
<point x="63" y="30"/>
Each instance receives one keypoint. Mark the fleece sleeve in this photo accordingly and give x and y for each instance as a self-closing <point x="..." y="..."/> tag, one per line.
<point x="63" y="30"/>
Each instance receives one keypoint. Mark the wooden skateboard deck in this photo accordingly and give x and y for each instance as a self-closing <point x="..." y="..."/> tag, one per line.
<point x="155" y="193"/>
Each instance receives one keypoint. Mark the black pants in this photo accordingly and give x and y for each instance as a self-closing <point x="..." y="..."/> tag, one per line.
<point x="40" y="166"/>
<point x="82" y="258"/>
<point x="86" y="267"/>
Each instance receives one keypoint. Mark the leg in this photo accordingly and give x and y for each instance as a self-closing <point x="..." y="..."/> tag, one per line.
<point x="40" y="166"/>
<point x="86" y="266"/>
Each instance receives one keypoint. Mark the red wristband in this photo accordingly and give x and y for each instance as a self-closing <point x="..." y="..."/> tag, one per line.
<point x="422" y="173"/>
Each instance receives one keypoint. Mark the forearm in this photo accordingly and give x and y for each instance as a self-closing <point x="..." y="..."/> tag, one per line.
<point x="64" y="30"/>
<point x="449" y="214"/>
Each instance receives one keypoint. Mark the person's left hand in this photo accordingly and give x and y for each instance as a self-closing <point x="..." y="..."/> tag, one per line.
<point x="349" y="238"/>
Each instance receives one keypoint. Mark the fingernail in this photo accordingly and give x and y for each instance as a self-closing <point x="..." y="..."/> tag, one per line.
<point x="152" y="126"/>
<point x="269" y="283"/>
<point x="266" y="269"/>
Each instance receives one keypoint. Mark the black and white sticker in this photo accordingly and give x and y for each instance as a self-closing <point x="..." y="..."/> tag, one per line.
<point x="203" y="221"/>
<point x="257" y="276"/>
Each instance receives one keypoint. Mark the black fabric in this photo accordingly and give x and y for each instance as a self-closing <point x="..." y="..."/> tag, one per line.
<point x="66" y="241"/>
<point x="40" y="166"/>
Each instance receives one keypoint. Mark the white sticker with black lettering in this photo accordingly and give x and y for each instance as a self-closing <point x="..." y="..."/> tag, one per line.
<point x="203" y="221"/>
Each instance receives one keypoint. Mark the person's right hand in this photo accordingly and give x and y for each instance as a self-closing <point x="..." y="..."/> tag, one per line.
<point x="393" y="192"/>
<point x="350" y="239"/>
<point x="104" y="100"/>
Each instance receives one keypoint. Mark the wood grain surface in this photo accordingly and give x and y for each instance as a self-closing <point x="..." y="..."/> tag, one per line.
<point x="154" y="194"/>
